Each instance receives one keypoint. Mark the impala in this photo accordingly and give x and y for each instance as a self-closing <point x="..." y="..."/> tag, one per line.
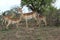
<point x="42" y="18"/>
<point x="6" y="17"/>
<point x="31" y="15"/>
<point x="12" y="21"/>
<point x="28" y="16"/>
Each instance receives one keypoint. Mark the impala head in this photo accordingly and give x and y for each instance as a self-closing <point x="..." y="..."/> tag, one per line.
<point x="19" y="10"/>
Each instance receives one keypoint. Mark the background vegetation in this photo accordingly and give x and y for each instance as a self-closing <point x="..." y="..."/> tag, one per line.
<point x="49" y="32"/>
<point x="43" y="7"/>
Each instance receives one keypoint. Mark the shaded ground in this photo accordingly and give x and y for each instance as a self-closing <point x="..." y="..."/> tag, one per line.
<point x="32" y="33"/>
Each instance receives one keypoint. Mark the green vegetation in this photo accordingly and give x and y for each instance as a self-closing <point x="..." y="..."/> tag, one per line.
<point x="39" y="5"/>
<point x="49" y="32"/>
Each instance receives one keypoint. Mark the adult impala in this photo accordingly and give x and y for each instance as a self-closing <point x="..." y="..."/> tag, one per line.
<point x="12" y="21"/>
<point x="6" y="17"/>
<point x="42" y="18"/>
<point x="31" y="15"/>
<point x="25" y="16"/>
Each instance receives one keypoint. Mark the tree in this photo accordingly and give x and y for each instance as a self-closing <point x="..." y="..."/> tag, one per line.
<point x="38" y="5"/>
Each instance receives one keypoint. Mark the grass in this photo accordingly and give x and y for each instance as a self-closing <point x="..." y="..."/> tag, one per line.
<point x="32" y="33"/>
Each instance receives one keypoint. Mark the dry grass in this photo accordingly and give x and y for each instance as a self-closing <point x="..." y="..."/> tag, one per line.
<point x="32" y="33"/>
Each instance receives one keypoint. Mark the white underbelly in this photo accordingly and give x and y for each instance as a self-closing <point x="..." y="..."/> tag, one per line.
<point x="29" y="17"/>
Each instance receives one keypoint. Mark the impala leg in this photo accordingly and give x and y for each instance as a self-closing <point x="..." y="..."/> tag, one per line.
<point x="26" y="23"/>
<point x="37" y="21"/>
<point x="2" y="22"/>
<point x="8" y="24"/>
<point x="17" y="25"/>
<point x="17" y="31"/>
<point x="5" y="22"/>
<point x="44" y="20"/>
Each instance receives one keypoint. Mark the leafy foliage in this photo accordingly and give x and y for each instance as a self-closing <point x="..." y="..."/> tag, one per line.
<point x="38" y="5"/>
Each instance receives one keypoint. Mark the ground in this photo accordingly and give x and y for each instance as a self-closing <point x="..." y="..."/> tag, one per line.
<point x="33" y="32"/>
